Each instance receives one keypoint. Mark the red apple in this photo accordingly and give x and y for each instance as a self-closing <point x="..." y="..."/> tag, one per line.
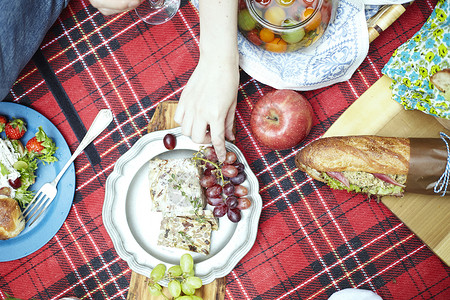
<point x="281" y="119"/>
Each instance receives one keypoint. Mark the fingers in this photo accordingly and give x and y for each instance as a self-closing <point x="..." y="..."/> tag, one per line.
<point x="198" y="134"/>
<point x="187" y="124"/>
<point x="218" y="140"/>
<point x="198" y="131"/>
<point x="179" y="114"/>
<point x="229" y="124"/>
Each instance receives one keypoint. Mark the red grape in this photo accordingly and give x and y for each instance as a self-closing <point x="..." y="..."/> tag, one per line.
<point x="239" y="166"/>
<point x="229" y="171"/>
<point x="232" y="202"/>
<point x="207" y="181"/>
<point x="220" y="210"/>
<point x="225" y="192"/>
<point x="230" y="158"/>
<point x="209" y="166"/>
<point x="240" y="190"/>
<point x="15" y="184"/>
<point x="244" y="203"/>
<point x="234" y="215"/>
<point x="214" y="191"/>
<point x="238" y="179"/>
<point x="170" y="141"/>
<point x="215" y="201"/>
<point x="210" y="154"/>
<point x="228" y="189"/>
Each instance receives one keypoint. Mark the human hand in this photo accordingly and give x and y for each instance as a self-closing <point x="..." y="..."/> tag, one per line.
<point x="110" y="7"/>
<point x="209" y="101"/>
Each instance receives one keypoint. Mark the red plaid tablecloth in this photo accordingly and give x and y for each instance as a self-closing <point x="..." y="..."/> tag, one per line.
<point x="312" y="241"/>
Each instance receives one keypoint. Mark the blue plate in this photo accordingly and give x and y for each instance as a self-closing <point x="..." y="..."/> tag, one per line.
<point x="32" y="239"/>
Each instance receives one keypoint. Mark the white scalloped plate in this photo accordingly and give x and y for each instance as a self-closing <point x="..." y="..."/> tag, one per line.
<point x="134" y="229"/>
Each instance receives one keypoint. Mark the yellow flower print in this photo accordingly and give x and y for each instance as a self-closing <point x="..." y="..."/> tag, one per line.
<point x="442" y="50"/>
<point x="444" y="105"/>
<point x="433" y="111"/>
<point x="416" y="96"/>
<point x="434" y="69"/>
<point x="423" y="72"/>
<point x="420" y="106"/>
<point x="416" y="38"/>
<point x="405" y="103"/>
<point x="418" y="82"/>
<point x="440" y="15"/>
<point x="438" y="33"/>
<point x="406" y="82"/>
<point x="429" y="56"/>
<point x="427" y="100"/>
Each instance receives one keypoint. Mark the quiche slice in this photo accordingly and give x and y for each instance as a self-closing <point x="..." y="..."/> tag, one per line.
<point x="191" y="233"/>
<point x="175" y="187"/>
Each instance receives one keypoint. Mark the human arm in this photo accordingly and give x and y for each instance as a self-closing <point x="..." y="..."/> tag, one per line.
<point x="110" y="7"/>
<point x="210" y="96"/>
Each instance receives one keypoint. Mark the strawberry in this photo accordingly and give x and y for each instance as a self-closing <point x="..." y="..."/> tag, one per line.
<point x="33" y="145"/>
<point x="3" y="122"/>
<point x="15" y="129"/>
<point x="42" y="146"/>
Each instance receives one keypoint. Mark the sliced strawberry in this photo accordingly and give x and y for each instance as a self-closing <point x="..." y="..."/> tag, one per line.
<point x="33" y="145"/>
<point x="42" y="146"/>
<point x="3" y="122"/>
<point x="15" y="129"/>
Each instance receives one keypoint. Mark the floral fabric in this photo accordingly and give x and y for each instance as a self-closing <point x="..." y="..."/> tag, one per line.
<point x="414" y="62"/>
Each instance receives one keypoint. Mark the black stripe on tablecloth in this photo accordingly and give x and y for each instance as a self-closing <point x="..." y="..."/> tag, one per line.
<point x="55" y="86"/>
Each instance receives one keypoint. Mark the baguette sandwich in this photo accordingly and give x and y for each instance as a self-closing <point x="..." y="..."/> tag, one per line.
<point x="364" y="164"/>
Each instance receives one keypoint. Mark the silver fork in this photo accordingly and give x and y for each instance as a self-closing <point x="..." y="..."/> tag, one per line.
<point x="48" y="191"/>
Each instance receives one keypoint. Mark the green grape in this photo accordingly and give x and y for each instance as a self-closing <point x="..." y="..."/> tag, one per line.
<point x="184" y="298"/>
<point x="245" y="20"/>
<point x="196" y="297"/>
<point x="174" y="287"/>
<point x="155" y="289"/>
<point x="175" y="271"/>
<point x="186" y="263"/>
<point x="188" y="290"/>
<point x="194" y="282"/>
<point x="190" y="273"/>
<point x="292" y="36"/>
<point x="158" y="272"/>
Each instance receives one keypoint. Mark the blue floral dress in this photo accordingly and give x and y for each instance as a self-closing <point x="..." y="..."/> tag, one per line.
<point x="414" y="62"/>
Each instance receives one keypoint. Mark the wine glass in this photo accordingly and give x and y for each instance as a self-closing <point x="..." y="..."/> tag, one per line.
<point x="156" y="12"/>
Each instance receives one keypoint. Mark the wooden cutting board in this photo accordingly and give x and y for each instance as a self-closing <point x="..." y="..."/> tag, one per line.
<point x="376" y="113"/>
<point x="163" y="119"/>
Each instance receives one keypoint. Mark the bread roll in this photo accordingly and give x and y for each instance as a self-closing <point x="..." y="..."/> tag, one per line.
<point x="11" y="223"/>
<point x="371" y="154"/>
<point x="441" y="80"/>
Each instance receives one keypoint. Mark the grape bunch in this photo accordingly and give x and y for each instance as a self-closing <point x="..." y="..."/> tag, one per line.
<point x="223" y="183"/>
<point x="182" y="280"/>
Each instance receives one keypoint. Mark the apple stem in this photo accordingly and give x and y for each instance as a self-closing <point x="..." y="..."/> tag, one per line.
<point x="272" y="118"/>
